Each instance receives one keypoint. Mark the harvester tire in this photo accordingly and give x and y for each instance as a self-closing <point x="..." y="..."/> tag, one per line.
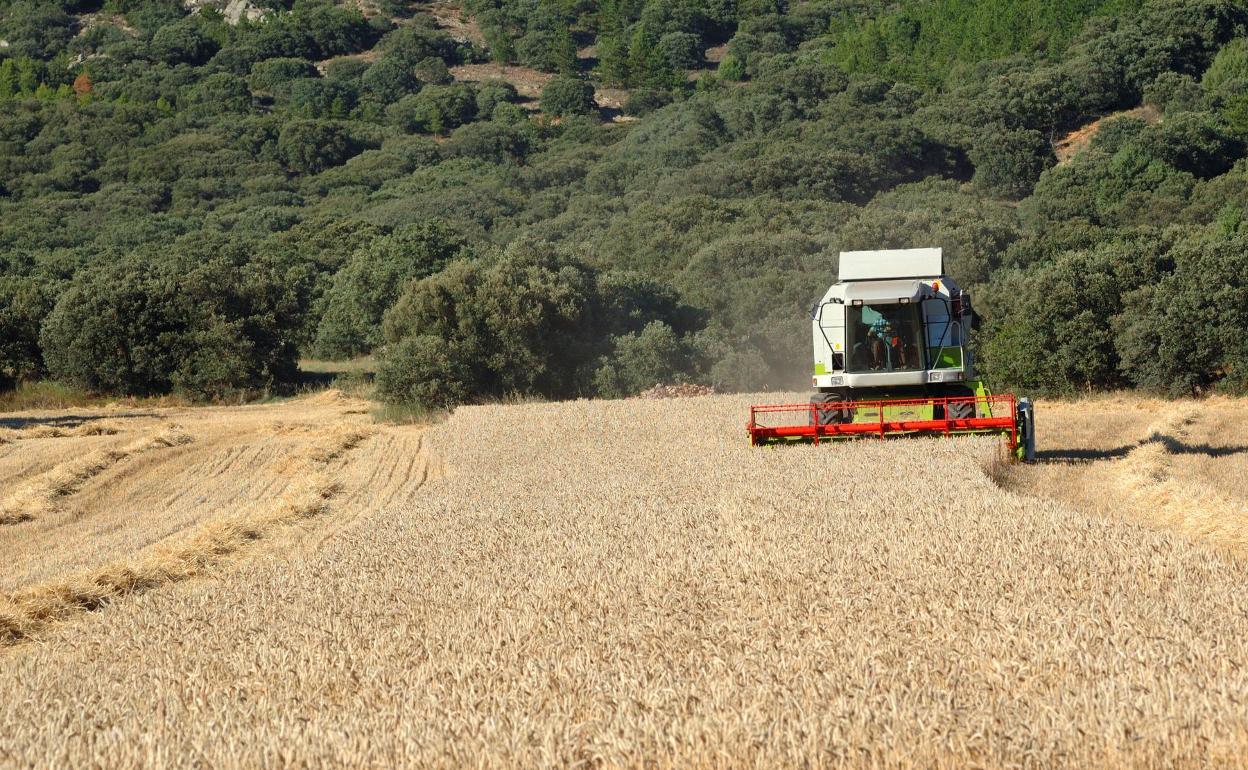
<point x="961" y="411"/>
<point x="827" y="416"/>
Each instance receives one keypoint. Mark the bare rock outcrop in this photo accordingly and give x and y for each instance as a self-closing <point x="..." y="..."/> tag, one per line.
<point x="234" y="11"/>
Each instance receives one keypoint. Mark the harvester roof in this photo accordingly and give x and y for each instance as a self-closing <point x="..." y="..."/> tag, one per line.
<point x="891" y="264"/>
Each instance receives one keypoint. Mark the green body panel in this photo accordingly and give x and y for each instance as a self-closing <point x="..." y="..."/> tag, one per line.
<point x="894" y="413"/>
<point x="945" y="358"/>
<point x="820" y="368"/>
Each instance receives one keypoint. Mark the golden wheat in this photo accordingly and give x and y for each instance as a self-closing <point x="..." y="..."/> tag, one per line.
<point x="627" y="584"/>
<point x="241" y="462"/>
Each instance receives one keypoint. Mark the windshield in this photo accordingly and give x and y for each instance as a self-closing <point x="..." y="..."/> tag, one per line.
<point x="884" y="338"/>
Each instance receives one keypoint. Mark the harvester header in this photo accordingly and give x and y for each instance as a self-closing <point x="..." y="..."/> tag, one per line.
<point x="892" y="357"/>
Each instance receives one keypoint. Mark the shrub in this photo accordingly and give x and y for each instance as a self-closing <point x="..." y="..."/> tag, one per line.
<point x="643" y="101"/>
<point x="412" y="44"/>
<point x="428" y="371"/>
<point x="548" y="50"/>
<point x="389" y="79"/>
<point x="1008" y="163"/>
<point x="653" y="356"/>
<point x="372" y="280"/>
<point x="564" y="96"/>
<point x="320" y="98"/>
<point x="268" y="75"/>
<point x="1184" y="335"/>
<point x="492" y="93"/>
<point x="238" y="58"/>
<point x="493" y="142"/>
<point x="1053" y="326"/>
<point x="1235" y="113"/>
<point x="682" y="49"/>
<point x="346" y="70"/>
<point x="182" y="43"/>
<point x="24" y="303"/>
<point x="38" y="30"/>
<point x="524" y="319"/>
<point x="219" y="93"/>
<point x="732" y="68"/>
<point x="533" y="321"/>
<point x="1173" y="92"/>
<point x="1197" y="143"/>
<point x="335" y="31"/>
<point x="1229" y="66"/>
<point x="433" y="71"/>
<point x="436" y="109"/>
<point x="648" y="65"/>
<point x="197" y="321"/>
<point x="311" y="146"/>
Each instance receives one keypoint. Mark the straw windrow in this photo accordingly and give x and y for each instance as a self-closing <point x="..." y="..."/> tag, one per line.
<point x="25" y="612"/>
<point x="41" y="495"/>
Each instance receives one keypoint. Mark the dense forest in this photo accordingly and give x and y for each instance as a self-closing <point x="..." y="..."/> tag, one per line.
<point x="195" y="195"/>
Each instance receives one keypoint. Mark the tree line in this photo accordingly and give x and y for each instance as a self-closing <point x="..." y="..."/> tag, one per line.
<point x="191" y="205"/>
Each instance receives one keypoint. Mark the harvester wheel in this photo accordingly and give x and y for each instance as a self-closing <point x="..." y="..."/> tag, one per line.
<point x="962" y="410"/>
<point x="826" y="415"/>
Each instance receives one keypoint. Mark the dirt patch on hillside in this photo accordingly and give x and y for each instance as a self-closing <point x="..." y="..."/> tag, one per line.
<point x="457" y="24"/>
<point x="1078" y="140"/>
<point x="527" y="81"/>
<point x="88" y="21"/>
<point x="368" y="57"/>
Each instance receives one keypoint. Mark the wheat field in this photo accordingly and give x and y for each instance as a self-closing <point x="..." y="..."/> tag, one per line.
<point x="619" y="584"/>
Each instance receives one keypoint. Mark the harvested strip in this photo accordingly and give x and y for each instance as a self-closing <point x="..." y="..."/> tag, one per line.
<point x="42" y="494"/>
<point x="1168" y="498"/>
<point x="24" y="612"/>
<point x="1170" y="465"/>
<point x="54" y="431"/>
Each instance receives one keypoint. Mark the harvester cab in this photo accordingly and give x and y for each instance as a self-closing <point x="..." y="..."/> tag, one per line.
<point x="892" y="357"/>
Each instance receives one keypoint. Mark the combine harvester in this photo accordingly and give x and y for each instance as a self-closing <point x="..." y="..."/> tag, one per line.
<point x="893" y="358"/>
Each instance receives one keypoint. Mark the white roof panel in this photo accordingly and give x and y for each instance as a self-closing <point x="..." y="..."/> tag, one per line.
<point x="891" y="263"/>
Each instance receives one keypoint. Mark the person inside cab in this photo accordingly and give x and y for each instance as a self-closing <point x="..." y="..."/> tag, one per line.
<point x="884" y="346"/>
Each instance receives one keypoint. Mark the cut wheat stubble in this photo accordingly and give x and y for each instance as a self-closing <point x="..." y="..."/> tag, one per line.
<point x="25" y="612"/>
<point x="41" y="495"/>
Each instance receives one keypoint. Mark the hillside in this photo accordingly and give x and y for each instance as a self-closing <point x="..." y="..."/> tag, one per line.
<point x="506" y="197"/>
<point x="630" y="584"/>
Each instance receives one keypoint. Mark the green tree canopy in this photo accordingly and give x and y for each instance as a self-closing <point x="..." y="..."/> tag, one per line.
<point x="371" y="281"/>
<point x="199" y="321"/>
<point x="311" y="146"/>
<point x="565" y="96"/>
